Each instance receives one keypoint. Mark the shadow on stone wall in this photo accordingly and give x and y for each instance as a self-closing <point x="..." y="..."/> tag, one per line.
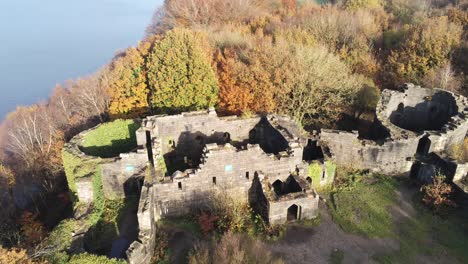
<point x="431" y="114"/>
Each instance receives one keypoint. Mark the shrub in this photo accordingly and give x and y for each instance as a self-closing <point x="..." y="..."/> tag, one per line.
<point x="459" y="152"/>
<point x="86" y="258"/>
<point x="60" y="239"/>
<point x="31" y="228"/>
<point x="357" y="4"/>
<point x="207" y="222"/>
<point x="111" y="139"/>
<point x="233" y="248"/>
<point x="437" y="194"/>
<point x="232" y="212"/>
<point x="16" y="256"/>
<point x="161" y="254"/>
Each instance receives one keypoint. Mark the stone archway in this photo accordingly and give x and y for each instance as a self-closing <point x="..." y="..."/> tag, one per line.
<point x="424" y="146"/>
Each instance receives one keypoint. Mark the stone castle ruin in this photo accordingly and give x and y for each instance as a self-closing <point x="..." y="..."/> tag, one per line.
<point x="183" y="160"/>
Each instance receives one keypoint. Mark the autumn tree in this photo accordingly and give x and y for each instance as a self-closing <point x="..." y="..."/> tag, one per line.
<point x="90" y="94"/>
<point x="426" y="46"/>
<point x="357" y="4"/>
<point x="437" y="194"/>
<point x="180" y="74"/>
<point x="35" y="142"/>
<point x="127" y="85"/>
<point x="202" y="13"/>
<point x="245" y="86"/>
<point x="16" y="256"/>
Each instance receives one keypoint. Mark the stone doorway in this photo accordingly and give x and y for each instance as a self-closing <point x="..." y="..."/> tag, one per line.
<point x="294" y="212"/>
<point x="424" y="146"/>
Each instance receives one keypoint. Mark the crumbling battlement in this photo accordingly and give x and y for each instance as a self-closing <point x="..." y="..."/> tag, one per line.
<point x="224" y="167"/>
<point x="417" y="110"/>
<point x="212" y="154"/>
<point x="417" y="121"/>
<point x="115" y="172"/>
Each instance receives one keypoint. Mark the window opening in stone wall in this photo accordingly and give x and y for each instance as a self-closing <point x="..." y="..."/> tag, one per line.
<point x="247" y="175"/>
<point x="179" y="184"/>
<point x="214" y="180"/>
<point x="309" y="179"/>
<point x="423" y="146"/>
<point x="278" y="187"/>
<point x="149" y="147"/>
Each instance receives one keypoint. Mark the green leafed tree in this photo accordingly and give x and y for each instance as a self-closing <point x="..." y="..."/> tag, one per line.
<point x="180" y="73"/>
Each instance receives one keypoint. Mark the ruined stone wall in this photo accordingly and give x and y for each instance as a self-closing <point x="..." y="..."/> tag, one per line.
<point x="307" y="202"/>
<point x="392" y="157"/>
<point x="224" y="168"/>
<point x="117" y="172"/>
<point x="142" y="250"/>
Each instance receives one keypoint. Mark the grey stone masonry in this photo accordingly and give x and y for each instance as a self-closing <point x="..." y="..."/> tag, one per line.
<point x="414" y="121"/>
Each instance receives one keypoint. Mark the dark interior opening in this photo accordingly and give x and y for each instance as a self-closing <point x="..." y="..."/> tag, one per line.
<point x="179" y="184"/>
<point x="415" y="170"/>
<point x="293" y="212"/>
<point x="214" y="180"/>
<point x="133" y="186"/>
<point x="312" y="151"/>
<point x="431" y="113"/>
<point x="247" y="175"/>
<point x="423" y="146"/>
<point x="149" y="147"/>
<point x="227" y="137"/>
<point x="289" y="186"/>
<point x="278" y="187"/>
<point x="309" y="179"/>
<point x="268" y="137"/>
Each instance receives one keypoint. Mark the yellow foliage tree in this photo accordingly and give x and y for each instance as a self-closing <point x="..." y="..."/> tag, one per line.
<point x="15" y="256"/>
<point x="427" y="46"/>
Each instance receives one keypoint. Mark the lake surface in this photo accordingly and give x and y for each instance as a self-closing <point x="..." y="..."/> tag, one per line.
<point x="45" y="42"/>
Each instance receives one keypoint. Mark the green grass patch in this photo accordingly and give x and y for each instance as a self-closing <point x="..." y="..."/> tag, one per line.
<point x="430" y="235"/>
<point x="361" y="205"/>
<point x="185" y="223"/>
<point x="111" y="139"/>
<point x="336" y="256"/>
<point x="86" y="258"/>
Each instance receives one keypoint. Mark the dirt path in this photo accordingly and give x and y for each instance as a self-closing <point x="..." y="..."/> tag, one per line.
<point x="314" y="245"/>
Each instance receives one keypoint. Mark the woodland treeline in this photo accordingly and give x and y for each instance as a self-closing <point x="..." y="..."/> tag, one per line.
<point x="315" y="62"/>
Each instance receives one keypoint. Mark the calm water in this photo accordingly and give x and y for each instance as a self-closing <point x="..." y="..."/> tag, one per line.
<point x="45" y="42"/>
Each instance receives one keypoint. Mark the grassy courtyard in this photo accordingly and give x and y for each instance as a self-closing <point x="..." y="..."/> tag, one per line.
<point x="111" y="139"/>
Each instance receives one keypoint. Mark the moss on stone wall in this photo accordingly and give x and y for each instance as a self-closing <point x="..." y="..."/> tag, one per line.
<point x="77" y="167"/>
<point x="315" y="173"/>
<point x="330" y="167"/>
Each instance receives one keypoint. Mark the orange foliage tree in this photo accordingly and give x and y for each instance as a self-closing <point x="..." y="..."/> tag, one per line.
<point x="127" y="86"/>
<point x="245" y="86"/>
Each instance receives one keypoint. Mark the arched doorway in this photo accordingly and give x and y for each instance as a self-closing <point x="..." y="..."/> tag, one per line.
<point x="293" y="213"/>
<point x="424" y="146"/>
